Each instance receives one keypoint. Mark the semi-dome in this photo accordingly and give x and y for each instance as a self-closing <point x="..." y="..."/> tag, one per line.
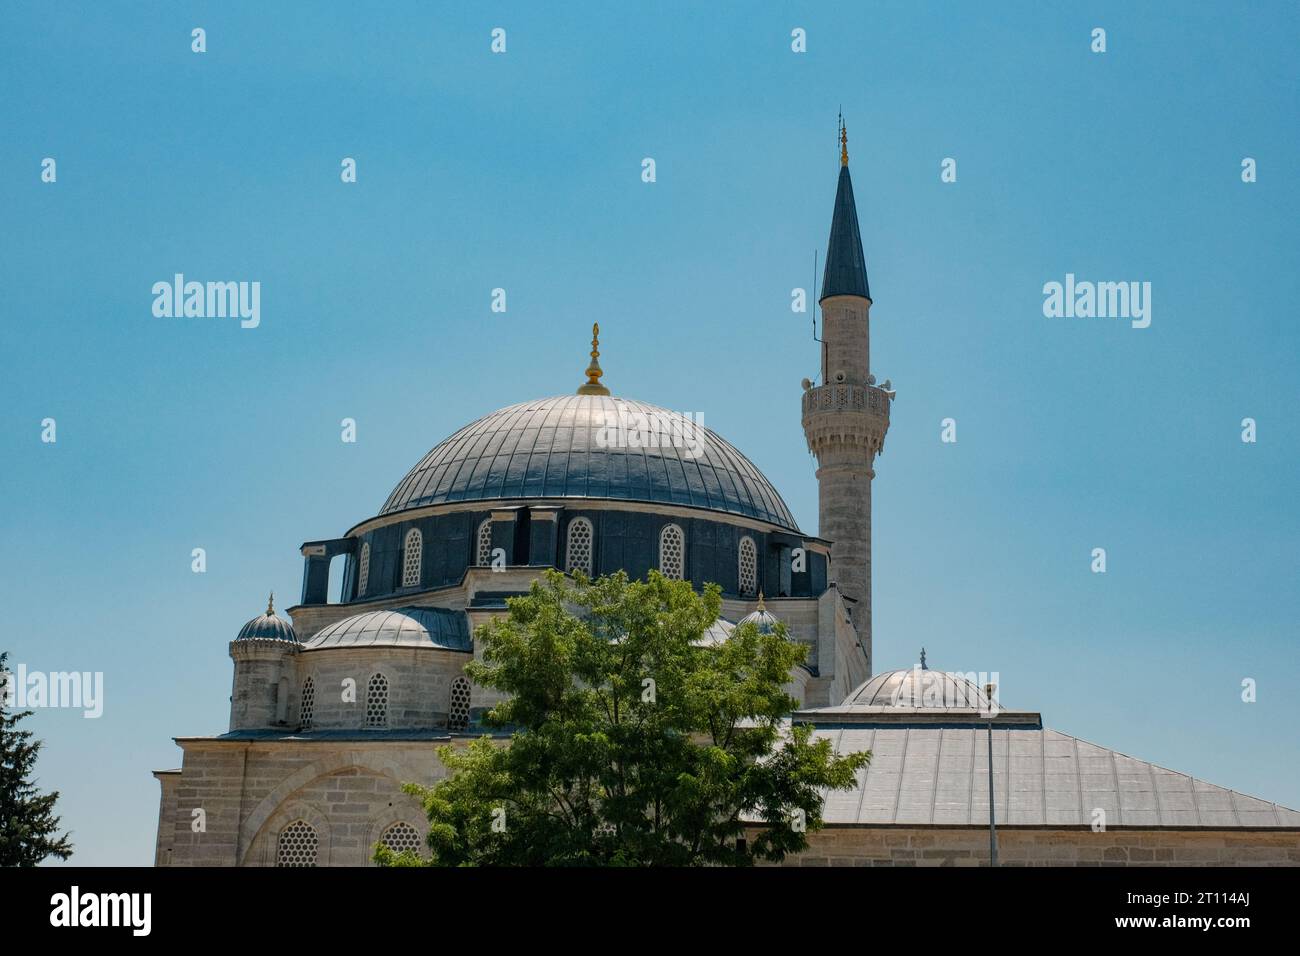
<point x="918" y="687"/>
<point x="591" y="446"/>
<point x="268" y="627"/>
<point x="400" y="627"/>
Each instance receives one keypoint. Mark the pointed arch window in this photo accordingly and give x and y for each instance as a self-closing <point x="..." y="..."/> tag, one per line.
<point x="377" y="701"/>
<point x="307" y="707"/>
<point x="672" y="552"/>
<point x="578" y="550"/>
<point x="412" y="552"/>
<point x="297" y="845"/>
<point x="483" y="553"/>
<point x="363" y="569"/>
<point x="401" y="838"/>
<point x="458" y="707"/>
<point x="748" y="567"/>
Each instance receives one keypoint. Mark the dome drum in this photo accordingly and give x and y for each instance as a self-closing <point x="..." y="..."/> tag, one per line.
<point x="535" y="468"/>
<point x="596" y="537"/>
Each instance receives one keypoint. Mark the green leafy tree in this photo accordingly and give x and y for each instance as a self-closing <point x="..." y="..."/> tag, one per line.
<point x="634" y="740"/>
<point x="28" y="826"/>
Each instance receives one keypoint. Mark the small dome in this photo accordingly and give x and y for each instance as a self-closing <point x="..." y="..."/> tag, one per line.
<point x="762" y="618"/>
<point x="919" y="687"/>
<point x="717" y="633"/>
<point x="268" y="627"/>
<point x="400" y="627"/>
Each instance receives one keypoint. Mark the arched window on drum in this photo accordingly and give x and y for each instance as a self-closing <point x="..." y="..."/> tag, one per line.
<point x="578" y="550"/>
<point x="672" y="552"/>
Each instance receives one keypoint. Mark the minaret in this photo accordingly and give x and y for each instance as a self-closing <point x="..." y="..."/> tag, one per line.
<point x="845" y="417"/>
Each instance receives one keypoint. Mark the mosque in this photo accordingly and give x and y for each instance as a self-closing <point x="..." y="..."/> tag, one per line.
<point x="332" y="713"/>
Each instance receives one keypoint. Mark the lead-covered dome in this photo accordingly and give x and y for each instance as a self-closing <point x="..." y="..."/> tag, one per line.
<point x="268" y="627"/>
<point x="761" y="618"/>
<point x="586" y="446"/>
<point x="919" y="687"/>
<point x="400" y="627"/>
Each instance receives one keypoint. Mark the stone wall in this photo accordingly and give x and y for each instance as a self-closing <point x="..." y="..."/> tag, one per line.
<point x="419" y="685"/>
<point x="1118" y="846"/>
<point x="169" y="781"/>
<point x="349" y="792"/>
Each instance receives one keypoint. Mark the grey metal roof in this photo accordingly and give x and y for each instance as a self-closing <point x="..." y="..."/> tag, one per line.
<point x="927" y="775"/>
<point x="401" y="627"/>
<point x="846" y="267"/>
<point x="560" y="448"/>
<point x="332" y="735"/>
<point x="267" y="627"/>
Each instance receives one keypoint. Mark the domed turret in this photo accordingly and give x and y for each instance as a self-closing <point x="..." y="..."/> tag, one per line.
<point x="262" y="654"/>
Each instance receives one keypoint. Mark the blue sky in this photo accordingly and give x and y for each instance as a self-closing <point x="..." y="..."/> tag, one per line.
<point x="522" y="171"/>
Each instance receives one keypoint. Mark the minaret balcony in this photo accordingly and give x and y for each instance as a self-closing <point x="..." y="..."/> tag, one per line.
<point x="842" y="414"/>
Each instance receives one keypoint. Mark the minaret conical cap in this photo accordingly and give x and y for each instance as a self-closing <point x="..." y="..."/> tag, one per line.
<point x="846" y="266"/>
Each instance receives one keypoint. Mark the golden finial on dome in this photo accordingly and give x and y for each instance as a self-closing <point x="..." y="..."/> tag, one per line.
<point x="761" y="605"/>
<point x="592" y="386"/>
<point x="270" y="605"/>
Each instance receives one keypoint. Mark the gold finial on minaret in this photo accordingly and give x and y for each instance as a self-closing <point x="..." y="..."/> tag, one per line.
<point x="270" y="605"/>
<point x="592" y="386"/>
<point x="844" y="144"/>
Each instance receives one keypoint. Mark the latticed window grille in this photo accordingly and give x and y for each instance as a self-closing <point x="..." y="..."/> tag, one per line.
<point x="411" y="554"/>
<point x="458" y="709"/>
<point x="297" y="846"/>
<point x="363" y="573"/>
<point x="672" y="552"/>
<point x="377" y="701"/>
<point x="401" y="837"/>
<point x="484" y="543"/>
<point x="307" y="709"/>
<point x="579" y="547"/>
<point x="748" y="566"/>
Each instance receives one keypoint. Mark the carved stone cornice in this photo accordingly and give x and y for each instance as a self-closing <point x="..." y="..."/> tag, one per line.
<point x="840" y="415"/>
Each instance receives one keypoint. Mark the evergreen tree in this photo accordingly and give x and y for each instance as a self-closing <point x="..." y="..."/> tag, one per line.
<point x="28" y="826"/>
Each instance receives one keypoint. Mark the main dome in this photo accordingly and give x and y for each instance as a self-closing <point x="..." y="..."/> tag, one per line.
<point x="562" y="447"/>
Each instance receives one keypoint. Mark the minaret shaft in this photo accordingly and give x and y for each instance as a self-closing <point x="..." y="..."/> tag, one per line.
<point x="846" y="343"/>
<point x="845" y="418"/>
